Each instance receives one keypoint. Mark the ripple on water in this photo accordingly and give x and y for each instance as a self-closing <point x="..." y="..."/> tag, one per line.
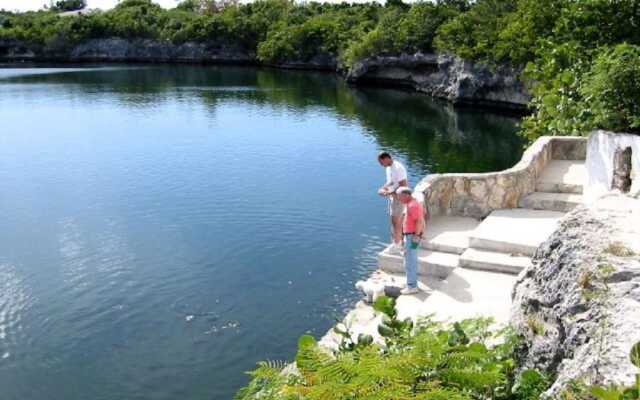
<point x="15" y="300"/>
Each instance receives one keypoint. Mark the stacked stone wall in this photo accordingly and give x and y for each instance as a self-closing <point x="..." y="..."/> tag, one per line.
<point x="477" y="195"/>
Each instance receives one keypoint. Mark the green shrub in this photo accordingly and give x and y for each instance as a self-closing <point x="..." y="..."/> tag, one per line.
<point x="596" y="23"/>
<point x="379" y="41"/>
<point x="575" y="96"/>
<point x="418" y="28"/>
<point x="401" y="30"/>
<point x="475" y="33"/>
<point x="317" y="35"/>
<point x="530" y="385"/>
<point x="135" y="19"/>
<point x="611" y="90"/>
<point x="532" y="21"/>
<point x="427" y="361"/>
<point x="556" y="102"/>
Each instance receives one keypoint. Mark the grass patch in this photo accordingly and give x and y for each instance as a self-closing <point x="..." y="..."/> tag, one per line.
<point x="535" y="325"/>
<point x="618" y="249"/>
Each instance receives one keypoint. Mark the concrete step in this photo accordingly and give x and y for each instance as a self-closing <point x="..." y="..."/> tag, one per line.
<point x="493" y="261"/>
<point x="562" y="176"/>
<point x="449" y="234"/>
<point x="515" y="230"/>
<point x="563" y="202"/>
<point x="430" y="263"/>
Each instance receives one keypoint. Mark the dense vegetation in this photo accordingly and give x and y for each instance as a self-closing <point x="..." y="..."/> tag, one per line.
<point x="580" y="57"/>
<point x="427" y="361"/>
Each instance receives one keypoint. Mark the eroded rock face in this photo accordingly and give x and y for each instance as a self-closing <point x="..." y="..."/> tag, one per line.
<point x="116" y="49"/>
<point x="152" y="50"/>
<point x="578" y="306"/>
<point x="440" y="75"/>
<point x="147" y="50"/>
<point x="447" y="77"/>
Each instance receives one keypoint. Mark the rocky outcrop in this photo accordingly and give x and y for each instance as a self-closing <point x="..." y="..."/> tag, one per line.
<point x="448" y="77"/>
<point x="439" y="75"/>
<point x="157" y="51"/>
<point x="320" y="62"/>
<point x="147" y="50"/>
<point x="578" y="306"/>
<point x="120" y="50"/>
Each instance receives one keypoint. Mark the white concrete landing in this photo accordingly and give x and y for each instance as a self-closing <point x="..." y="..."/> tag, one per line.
<point x="562" y="202"/>
<point x="493" y="261"/>
<point x="515" y="231"/>
<point x="430" y="263"/>
<point x="563" y="176"/>
<point x="449" y="234"/>
<point x="464" y="294"/>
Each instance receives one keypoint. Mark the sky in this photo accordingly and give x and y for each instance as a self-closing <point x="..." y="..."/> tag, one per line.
<point x="24" y="5"/>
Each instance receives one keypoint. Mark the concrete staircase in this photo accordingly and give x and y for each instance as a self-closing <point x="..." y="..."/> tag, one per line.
<point x="446" y="239"/>
<point x="506" y="239"/>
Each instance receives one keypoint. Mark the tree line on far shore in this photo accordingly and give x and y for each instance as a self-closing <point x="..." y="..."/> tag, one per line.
<point x="581" y="59"/>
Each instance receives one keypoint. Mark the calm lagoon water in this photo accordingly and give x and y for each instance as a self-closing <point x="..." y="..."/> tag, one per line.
<point x="164" y="228"/>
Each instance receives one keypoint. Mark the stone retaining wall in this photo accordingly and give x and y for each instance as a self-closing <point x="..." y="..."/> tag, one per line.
<point x="476" y="195"/>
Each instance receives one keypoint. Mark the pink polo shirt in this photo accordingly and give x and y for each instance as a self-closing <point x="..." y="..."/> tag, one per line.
<point x="414" y="211"/>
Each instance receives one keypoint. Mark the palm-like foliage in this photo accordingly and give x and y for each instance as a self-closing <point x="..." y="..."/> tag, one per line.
<point x="430" y="363"/>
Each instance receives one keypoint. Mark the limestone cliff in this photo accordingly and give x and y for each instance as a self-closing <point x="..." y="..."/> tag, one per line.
<point x="578" y="306"/>
<point x="439" y="75"/>
<point x="448" y="77"/>
<point x="120" y="50"/>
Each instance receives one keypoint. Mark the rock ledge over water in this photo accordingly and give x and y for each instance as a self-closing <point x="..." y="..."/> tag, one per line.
<point x="439" y="75"/>
<point x="446" y="76"/>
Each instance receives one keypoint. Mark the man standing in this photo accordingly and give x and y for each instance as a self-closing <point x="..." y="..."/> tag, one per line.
<point x="396" y="177"/>
<point x="412" y="229"/>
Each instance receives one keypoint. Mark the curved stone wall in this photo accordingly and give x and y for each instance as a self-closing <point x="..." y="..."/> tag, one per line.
<point x="476" y="195"/>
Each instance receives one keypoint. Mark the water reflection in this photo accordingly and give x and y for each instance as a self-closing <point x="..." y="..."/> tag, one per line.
<point x="435" y="136"/>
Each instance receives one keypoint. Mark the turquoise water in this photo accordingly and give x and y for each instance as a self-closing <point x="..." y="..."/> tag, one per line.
<point x="164" y="228"/>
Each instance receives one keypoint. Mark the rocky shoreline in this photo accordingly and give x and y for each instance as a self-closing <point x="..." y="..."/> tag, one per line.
<point x="439" y="75"/>
<point x="577" y="308"/>
<point x="447" y="77"/>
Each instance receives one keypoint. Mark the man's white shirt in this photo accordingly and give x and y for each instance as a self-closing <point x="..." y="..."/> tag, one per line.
<point x="396" y="173"/>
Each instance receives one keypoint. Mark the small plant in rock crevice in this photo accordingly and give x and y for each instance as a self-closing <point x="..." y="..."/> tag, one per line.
<point x="535" y="325"/>
<point x="593" y="283"/>
<point x="618" y="249"/>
